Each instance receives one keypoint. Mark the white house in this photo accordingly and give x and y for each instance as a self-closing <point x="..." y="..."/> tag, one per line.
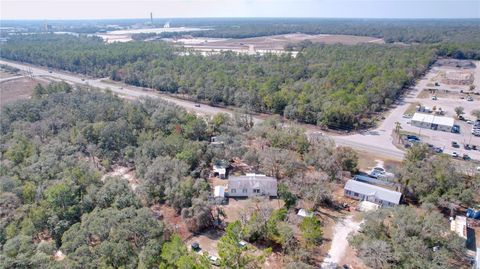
<point x="252" y="185"/>
<point x="375" y="194"/>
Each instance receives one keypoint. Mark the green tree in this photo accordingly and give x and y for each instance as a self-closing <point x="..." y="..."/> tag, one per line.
<point x="232" y="255"/>
<point x="476" y="113"/>
<point x="459" y="110"/>
<point x="289" y="198"/>
<point x="311" y="231"/>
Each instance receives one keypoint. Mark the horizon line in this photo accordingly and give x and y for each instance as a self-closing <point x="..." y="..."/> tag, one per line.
<point x="265" y="17"/>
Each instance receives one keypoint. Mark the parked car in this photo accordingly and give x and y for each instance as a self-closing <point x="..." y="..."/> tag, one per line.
<point x="214" y="260"/>
<point x="455" y="144"/>
<point x="434" y="98"/>
<point x="196" y="246"/>
<point x="377" y="172"/>
<point x="454" y="154"/>
<point x="197" y="105"/>
<point x="470" y="98"/>
<point x="456" y="129"/>
<point x="438" y="150"/>
<point x="469" y="122"/>
<point x="467" y="147"/>
<point x="466" y="157"/>
<point x="242" y="244"/>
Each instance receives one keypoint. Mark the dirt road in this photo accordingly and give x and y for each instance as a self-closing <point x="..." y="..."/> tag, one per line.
<point x="380" y="146"/>
<point x="340" y="242"/>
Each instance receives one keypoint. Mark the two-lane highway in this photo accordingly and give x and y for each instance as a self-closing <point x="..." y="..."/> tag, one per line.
<point x="380" y="146"/>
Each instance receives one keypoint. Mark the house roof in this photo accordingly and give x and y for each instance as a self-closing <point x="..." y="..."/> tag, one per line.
<point x="252" y="181"/>
<point x="433" y="119"/>
<point x="372" y="190"/>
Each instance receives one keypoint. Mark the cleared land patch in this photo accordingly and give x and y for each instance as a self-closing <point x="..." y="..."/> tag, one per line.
<point x="275" y="42"/>
<point x="17" y="89"/>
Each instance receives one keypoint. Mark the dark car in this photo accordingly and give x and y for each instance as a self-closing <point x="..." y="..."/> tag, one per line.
<point x="438" y="150"/>
<point x="412" y="137"/>
<point x="196" y="246"/>
<point x="466" y="157"/>
<point x="456" y="129"/>
<point x="455" y="144"/>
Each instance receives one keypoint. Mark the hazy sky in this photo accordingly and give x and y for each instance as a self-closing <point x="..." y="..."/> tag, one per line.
<point x="103" y="9"/>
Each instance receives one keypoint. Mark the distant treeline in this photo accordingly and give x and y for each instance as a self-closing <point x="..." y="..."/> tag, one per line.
<point x="335" y="86"/>
<point x="407" y="31"/>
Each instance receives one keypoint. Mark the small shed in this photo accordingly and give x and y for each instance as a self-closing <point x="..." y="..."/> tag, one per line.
<point x="304" y="213"/>
<point x="220" y="171"/>
<point x="459" y="226"/>
<point x="219" y="192"/>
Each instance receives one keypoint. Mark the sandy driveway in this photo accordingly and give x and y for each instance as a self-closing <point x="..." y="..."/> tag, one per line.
<point x="339" y="242"/>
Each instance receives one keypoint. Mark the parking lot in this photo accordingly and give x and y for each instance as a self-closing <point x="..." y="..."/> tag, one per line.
<point x="448" y="96"/>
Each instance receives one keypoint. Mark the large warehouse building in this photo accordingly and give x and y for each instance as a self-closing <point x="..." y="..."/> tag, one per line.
<point x="433" y="122"/>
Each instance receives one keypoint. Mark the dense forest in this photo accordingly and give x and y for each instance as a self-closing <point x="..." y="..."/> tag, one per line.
<point x="409" y="237"/>
<point x="55" y="150"/>
<point x="335" y="86"/>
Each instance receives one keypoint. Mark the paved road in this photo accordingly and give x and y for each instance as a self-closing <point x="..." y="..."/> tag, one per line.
<point x="378" y="145"/>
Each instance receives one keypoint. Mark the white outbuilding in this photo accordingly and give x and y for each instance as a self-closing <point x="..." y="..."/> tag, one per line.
<point x="219" y="192"/>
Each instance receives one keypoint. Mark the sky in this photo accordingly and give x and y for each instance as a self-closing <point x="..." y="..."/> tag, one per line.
<point x="111" y="9"/>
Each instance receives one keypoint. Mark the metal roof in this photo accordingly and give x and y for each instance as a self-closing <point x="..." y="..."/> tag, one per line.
<point x="372" y="190"/>
<point x="433" y="119"/>
<point x="253" y="181"/>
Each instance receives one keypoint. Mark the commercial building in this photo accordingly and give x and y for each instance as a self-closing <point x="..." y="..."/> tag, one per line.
<point x="433" y="122"/>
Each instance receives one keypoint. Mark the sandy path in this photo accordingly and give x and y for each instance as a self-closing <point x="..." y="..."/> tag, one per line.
<point x="339" y="242"/>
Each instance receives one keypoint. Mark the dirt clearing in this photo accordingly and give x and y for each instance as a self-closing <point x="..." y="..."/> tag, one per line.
<point x="17" y="89"/>
<point x="276" y="42"/>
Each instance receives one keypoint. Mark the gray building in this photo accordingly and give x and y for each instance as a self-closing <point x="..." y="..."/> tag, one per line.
<point x="252" y="185"/>
<point x="375" y="194"/>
